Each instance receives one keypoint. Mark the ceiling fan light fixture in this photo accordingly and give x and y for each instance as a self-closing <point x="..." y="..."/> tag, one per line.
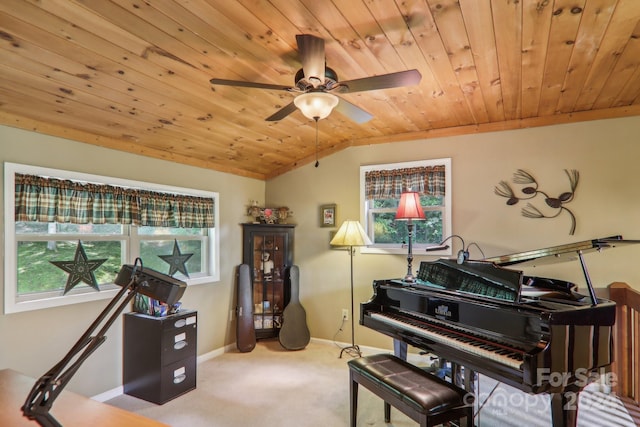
<point x="316" y="105"/>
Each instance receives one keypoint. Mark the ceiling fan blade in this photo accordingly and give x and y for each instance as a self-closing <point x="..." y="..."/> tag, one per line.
<point x="352" y="111"/>
<point x="282" y="113"/>
<point x="311" y="49"/>
<point x="384" y="81"/>
<point x="248" y="84"/>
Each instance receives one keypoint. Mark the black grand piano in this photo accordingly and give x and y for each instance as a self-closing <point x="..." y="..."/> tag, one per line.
<point x="537" y="334"/>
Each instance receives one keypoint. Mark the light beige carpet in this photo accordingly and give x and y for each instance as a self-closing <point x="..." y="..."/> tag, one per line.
<point x="273" y="387"/>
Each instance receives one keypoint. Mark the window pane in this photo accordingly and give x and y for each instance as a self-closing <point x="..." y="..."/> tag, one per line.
<point x="385" y="203"/>
<point x="389" y="231"/>
<point x="23" y="227"/>
<point x="31" y="282"/>
<point x="168" y="231"/>
<point x="393" y="203"/>
<point x="151" y="249"/>
<point x="37" y="274"/>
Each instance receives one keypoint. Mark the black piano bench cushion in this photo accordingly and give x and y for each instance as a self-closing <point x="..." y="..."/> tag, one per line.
<point x="422" y="396"/>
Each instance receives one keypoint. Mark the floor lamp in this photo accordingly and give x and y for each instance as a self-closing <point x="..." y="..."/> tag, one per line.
<point x="351" y="234"/>
<point x="409" y="209"/>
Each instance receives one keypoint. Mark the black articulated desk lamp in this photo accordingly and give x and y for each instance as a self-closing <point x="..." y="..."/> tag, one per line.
<point x="133" y="279"/>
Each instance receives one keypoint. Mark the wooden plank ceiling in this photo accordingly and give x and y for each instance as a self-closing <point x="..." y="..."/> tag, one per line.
<point x="133" y="75"/>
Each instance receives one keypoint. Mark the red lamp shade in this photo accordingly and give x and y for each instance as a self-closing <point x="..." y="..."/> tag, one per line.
<point x="409" y="206"/>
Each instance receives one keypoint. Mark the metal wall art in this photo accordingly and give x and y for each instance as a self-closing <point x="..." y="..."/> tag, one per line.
<point x="530" y="191"/>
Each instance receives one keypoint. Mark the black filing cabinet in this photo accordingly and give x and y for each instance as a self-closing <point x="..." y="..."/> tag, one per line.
<point x="159" y="355"/>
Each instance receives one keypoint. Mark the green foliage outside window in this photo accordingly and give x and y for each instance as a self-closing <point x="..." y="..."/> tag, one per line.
<point x="387" y="230"/>
<point x="37" y="274"/>
<point x="149" y="251"/>
<point x="40" y="243"/>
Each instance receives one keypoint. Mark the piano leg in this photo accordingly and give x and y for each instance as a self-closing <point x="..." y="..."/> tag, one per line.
<point x="564" y="409"/>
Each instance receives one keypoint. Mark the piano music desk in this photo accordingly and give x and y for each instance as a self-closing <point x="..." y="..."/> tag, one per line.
<point x="423" y="397"/>
<point x="70" y="409"/>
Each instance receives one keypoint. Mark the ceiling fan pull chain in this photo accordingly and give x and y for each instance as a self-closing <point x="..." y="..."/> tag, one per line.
<point x="317" y="162"/>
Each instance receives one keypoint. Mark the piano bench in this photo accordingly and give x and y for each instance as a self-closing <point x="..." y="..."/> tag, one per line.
<point x="420" y="395"/>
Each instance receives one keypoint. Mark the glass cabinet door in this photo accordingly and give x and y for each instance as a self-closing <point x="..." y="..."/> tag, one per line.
<point x="268" y="252"/>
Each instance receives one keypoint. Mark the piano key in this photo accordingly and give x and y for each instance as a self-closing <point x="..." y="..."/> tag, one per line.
<point x="512" y="359"/>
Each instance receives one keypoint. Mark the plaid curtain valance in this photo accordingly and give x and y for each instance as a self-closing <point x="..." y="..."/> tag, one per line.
<point x="45" y="199"/>
<point x="389" y="184"/>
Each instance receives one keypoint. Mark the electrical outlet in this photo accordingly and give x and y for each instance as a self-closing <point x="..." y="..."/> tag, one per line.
<point x="345" y="314"/>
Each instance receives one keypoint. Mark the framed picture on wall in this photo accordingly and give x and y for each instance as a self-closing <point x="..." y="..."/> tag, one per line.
<point x="328" y="216"/>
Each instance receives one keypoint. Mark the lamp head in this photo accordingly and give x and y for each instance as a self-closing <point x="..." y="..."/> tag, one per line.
<point x="351" y="233"/>
<point x="409" y="206"/>
<point x="316" y="105"/>
<point x="463" y="254"/>
<point x="152" y="283"/>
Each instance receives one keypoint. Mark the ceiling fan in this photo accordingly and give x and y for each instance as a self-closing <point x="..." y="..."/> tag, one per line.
<point x="316" y="84"/>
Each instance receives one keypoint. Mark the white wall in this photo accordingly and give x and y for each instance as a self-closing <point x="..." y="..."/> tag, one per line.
<point x="32" y="342"/>
<point x="607" y="203"/>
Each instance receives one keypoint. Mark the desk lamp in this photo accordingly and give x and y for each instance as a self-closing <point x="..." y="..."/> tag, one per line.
<point x="133" y="279"/>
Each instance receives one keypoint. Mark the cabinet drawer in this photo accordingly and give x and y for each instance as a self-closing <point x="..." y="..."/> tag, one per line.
<point x="179" y="322"/>
<point x="178" y="378"/>
<point x="178" y="343"/>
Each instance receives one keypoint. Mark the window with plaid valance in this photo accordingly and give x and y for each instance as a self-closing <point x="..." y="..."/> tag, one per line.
<point x="390" y="183"/>
<point x="45" y="199"/>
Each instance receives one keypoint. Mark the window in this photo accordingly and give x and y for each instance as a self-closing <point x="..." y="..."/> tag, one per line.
<point x="113" y="221"/>
<point x="380" y="189"/>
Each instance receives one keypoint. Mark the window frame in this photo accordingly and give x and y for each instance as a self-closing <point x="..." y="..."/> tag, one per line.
<point x="396" y="249"/>
<point x="11" y="303"/>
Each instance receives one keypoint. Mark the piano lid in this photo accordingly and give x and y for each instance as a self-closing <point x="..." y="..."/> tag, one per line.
<point x="561" y="253"/>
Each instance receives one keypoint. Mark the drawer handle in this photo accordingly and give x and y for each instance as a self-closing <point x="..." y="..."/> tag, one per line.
<point x="179" y="345"/>
<point x="180" y="323"/>
<point x="179" y="378"/>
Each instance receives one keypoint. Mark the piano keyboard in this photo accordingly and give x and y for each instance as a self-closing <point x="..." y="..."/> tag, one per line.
<point x="455" y="339"/>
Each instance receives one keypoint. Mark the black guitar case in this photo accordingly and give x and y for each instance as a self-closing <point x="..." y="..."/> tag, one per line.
<point x="245" y="330"/>
<point x="294" y="333"/>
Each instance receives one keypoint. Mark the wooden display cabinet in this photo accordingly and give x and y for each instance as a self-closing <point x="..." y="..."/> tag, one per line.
<point x="268" y="250"/>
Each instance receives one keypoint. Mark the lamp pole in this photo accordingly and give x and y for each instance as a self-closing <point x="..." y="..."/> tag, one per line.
<point x="409" y="277"/>
<point x="353" y="346"/>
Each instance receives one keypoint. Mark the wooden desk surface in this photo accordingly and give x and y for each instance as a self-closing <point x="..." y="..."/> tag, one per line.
<point x="69" y="409"/>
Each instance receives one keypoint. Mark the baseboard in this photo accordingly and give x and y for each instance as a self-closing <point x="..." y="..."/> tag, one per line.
<point x="109" y="394"/>
<point x="117" y="391"/>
